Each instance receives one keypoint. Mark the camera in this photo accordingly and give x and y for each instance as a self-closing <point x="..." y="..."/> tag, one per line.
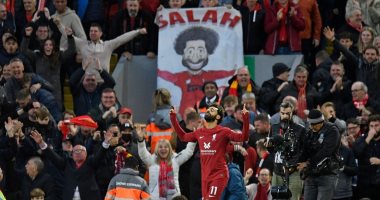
<point x="280" y="192"/>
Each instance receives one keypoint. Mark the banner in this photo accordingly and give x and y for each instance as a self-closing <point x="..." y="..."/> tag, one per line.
<point x="197" y="45"/>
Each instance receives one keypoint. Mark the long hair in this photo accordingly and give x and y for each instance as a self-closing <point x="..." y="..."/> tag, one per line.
<point x="54" y="57"/>
<point x="161" y="97"/>
<point x="360" y="44"/>
<point x="170" y="154"/>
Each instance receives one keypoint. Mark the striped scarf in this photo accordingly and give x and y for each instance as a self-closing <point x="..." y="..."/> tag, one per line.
<point x="165" y="179"/>
<point x="234" y="87"/>
<point x="119" y="160"/>
<point x="265" y="156"/>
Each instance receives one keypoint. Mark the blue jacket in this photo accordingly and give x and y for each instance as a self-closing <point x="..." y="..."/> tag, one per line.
<point x="235" y="189"/>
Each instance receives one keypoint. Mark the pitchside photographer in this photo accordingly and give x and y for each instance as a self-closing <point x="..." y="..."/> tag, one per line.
<point x="288" y="144"/>
<point x="319" y="160"/>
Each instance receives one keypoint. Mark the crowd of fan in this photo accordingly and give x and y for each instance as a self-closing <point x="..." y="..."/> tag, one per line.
<point x="47" y="151"/>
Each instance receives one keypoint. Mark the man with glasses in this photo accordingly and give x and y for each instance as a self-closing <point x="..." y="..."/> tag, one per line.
<point x="212" y="141"/>
<point x="262" y="189"/>
<point x="353" y="130"/>
<point x="106" y="112"/>
<point x="79" y="169"/>
<point x="360" y="103"/>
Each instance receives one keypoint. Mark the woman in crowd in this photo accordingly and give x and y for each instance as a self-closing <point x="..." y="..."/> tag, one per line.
<point x="366" y="38"/>
<point x="163" y="166"/>
<point x="49" y="62"/>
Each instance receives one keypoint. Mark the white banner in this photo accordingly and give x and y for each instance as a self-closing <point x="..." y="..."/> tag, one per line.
<point x="197" y="45"/>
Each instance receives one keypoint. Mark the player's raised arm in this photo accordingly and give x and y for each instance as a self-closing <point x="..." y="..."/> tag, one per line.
<point x="183" y="136"/>
<point x="245" y="123"/>
<point x="242" y="137"/>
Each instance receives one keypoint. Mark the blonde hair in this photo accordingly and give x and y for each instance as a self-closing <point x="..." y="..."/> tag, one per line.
<point x="326" y="105"/>
<point x="42" y="113"/>
<point x="37" y="192"/>
<point x="170" y="154"/>
<point x="161" y="97"/>
<point x="360" y="43"/>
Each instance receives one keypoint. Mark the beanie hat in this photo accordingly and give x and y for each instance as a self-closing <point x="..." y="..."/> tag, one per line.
<point x="315" y="117"/>
<point x="279" y="68"/>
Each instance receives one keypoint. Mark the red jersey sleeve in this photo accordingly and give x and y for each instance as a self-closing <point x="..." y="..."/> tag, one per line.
<point x="183" y="136"/>
<point x="241" y="137"/>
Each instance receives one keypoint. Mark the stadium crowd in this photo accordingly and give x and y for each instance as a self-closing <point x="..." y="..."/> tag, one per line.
<point x="318" y="134"/>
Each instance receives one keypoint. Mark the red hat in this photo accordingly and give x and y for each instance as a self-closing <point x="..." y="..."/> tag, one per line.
<point x="125" y="110"/>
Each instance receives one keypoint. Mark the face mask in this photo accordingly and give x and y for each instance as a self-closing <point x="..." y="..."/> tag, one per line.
<point x="126" y="137"/>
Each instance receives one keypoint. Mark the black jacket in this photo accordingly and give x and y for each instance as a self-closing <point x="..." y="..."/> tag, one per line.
<point x="253" y="25"/>
<point x="141" y="44"/>
<point x="43" y="181"/>
<point x="312" y="96"/>
<point x="269" y="95"/>
<point x="350" y="111"/>
<point x="321" y="145"/>
<point x="365" y="72"/>
<point x="83" y="100"/>
<point x="83" y="177"/>
<point x="363" y="152"/>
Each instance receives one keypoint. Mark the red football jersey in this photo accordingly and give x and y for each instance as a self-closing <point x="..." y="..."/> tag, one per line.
<point x="212" y="146"/>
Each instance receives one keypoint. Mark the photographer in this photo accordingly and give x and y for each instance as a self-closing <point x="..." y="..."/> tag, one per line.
<point x="319" y="160"/>
<point x="288" y="144"/>
<point x="367" y="151"/>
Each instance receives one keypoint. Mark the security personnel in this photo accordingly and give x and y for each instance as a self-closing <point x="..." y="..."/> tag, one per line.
<point x="288" y="140"/>
<point x="319" y="160"/>
<point x="128" y="184"/>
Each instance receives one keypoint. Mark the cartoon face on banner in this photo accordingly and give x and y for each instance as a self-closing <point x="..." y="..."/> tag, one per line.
<point x="207" y="46"/>
<point x="195" y="44"/>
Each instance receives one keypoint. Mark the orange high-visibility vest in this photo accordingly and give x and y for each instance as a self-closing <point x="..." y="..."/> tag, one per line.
<point x="157" y="134"/>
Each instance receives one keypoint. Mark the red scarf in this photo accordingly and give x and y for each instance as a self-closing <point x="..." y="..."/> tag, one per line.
<point x="265" y="156"/>
<point x="283" y="34"/>
<point x="262" y="192"/>
<point x="359" y="28"/>
<point x="119" y="161"/>
<point x="165" y="178"/>
<point x="360" y="103"/>
<point x="301" y="102"/>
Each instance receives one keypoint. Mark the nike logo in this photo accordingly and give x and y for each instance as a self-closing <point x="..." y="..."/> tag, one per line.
<point x="200" y="137"/>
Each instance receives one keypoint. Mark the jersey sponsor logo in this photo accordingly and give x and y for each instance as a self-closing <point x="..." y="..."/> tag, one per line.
<point x="214" y="137"/>
<point x="207" y="145"/>
<point x="207" y="150"/>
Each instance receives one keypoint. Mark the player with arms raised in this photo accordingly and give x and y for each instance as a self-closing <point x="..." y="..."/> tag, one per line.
<point x="213" y="140"/>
